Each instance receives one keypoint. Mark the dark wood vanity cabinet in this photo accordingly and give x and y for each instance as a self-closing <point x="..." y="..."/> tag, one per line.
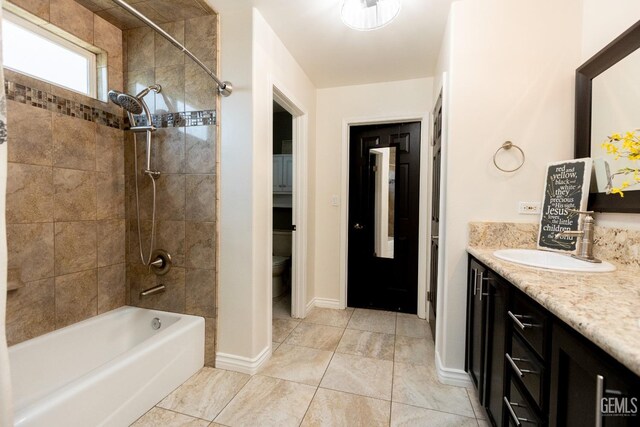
<point x="486" y="323"/>
<point x="588" y="386"/>
<point x="531" y="369"/>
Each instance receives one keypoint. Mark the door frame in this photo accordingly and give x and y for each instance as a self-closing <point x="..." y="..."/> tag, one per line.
<point x="423" y="225"/>
<point x="299" y="199"/>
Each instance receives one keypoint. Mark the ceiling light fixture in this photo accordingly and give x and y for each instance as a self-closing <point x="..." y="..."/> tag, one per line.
<point x="366" y="15"/>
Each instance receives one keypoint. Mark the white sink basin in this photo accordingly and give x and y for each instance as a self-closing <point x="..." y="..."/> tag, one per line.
<point x="552" y="260"/>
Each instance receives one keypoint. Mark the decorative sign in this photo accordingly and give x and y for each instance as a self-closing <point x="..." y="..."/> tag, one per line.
<point x="567" y="187"/>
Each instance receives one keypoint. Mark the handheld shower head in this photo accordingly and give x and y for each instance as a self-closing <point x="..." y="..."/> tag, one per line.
<point x="156" y="88"/>
<point x="130" y="103"/>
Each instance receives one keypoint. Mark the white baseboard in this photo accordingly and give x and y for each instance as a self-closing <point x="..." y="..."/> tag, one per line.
<point x="456" y="377"/>
<point x="323" y="303"/>
<point x="232" y="362"/>
<point x="327" y="303"/>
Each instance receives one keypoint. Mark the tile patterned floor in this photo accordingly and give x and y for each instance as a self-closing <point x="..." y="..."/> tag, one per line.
<point x="334" y="368"/>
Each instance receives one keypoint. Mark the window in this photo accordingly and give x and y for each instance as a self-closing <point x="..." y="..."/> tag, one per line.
<point x="30" y="49"/>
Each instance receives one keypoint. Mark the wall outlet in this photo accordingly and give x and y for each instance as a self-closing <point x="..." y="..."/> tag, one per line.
<point x="529" y="208"/>
<point x="334" y="200"/>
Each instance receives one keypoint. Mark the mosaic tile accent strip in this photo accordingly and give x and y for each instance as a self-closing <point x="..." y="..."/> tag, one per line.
<point x="186" y="119"/>
<point x="57" y="104"/>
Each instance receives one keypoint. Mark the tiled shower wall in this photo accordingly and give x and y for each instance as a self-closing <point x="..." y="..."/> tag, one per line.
<point x="184" y="151"/>
<point x="65" y="190"/>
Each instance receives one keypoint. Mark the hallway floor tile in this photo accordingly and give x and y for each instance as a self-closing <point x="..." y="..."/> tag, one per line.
<point x="352" y="367"/>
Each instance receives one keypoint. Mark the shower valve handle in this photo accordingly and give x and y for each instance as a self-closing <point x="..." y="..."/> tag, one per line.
<point x="152" y="174"/>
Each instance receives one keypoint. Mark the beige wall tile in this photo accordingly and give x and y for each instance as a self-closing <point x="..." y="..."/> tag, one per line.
<point x="74" y="145"/>
<point x="200" y="292"/>
<point x="30" y="311"/>
<point x="111" y="242"/>
<point x="200" y="153"/>
<point x="200" y="37"/>
<point x="108" y="37"/>
<point x="170" y="236"/>
<point x="171" y="99"/>
<point x="72" y="17"/>
<point x="209" y="341"/>
<point x="199" y="87"/>
<point x="75" y="195"/>
<point x="29" y="193"/>
<point x="177" y="9"/>
<point x="140" y="49"/>
<point x="200" y="245"/>
<point x="200" y="198"/>
<point x="167" y="54"/>
<point x="115" y="81"/>
<point x="110" y="196"/>
<point x="171" y="197"/>
<point x="30" y="249"/>
<point x="112" y="289"/>
<point x="75" y="246"/>
<point x="137" y="80"/>
<point x="169" y="146"/>
<point x="76" y="297"/>
<point x="109" y="150"/>
<point x="30" y="138"/>
<point x="40" y="8"/>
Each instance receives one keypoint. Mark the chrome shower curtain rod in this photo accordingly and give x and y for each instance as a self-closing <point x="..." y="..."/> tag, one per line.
<point x="224" y="88"/>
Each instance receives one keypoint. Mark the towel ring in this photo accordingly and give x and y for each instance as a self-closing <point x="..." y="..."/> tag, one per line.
<point x="507" y="146"/>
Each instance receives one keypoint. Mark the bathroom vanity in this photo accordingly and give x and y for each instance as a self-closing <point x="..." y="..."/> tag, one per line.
<point x="553" y="348"/>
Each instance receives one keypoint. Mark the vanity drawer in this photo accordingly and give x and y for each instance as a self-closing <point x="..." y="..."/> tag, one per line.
<point x="524" y="365"/>
<point x="518" y="411"/>
<point x="530" y="322"/>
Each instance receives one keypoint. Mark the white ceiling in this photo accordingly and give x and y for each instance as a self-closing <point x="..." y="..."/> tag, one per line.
<point x="334" y="55"/>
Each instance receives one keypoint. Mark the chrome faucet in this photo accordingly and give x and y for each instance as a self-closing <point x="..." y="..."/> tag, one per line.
<point x="585" y="242"/>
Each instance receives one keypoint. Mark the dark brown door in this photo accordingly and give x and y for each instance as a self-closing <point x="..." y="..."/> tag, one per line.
<point x="384" y="189"/>
<point x="435" y="214"/>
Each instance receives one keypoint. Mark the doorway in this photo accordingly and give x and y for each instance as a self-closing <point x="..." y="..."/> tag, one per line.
<point x="432" y="294"/>
<point x="384" y="196"/>
<point x="283" y="226"/>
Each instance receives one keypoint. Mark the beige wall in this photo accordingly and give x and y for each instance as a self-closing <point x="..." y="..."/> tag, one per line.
<point x="65" y="195"/>
<point x="253" y="56"/>
<point x="186" y="157"/>
<point x="335" y="107"/>
<point x="510" y="68"/>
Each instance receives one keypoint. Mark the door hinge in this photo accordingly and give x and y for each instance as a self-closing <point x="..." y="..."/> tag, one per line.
<point x="429" y="296"/>
<point x="375" y="168"/>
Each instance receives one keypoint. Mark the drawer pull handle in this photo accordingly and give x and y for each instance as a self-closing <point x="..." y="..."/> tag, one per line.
<point x="599" y="396"/>
<point x="517" y="321"/>
<point x="512" y="413"/>
<point x="519" y="371"/>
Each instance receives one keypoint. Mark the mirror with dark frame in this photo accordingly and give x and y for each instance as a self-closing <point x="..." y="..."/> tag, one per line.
<point x="608" y="102"/>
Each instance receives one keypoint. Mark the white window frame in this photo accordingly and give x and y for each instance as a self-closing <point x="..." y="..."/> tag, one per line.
<point x="92" y="72"/>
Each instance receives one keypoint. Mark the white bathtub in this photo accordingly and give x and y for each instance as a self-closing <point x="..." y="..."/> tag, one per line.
<point x="104" y="371"/>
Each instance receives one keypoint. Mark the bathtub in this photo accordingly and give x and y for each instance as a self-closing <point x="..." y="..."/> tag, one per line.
<point x="104" y="371"/>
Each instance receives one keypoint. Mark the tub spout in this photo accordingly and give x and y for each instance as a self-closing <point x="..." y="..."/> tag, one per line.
<point x="151" y="291"/>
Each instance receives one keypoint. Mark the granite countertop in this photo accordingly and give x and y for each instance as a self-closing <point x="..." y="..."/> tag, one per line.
<point x="603" y="307"/>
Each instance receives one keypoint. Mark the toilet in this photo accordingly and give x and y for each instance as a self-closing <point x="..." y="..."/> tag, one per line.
<point x="281" y="261"/>
<point x="279" y="266"/>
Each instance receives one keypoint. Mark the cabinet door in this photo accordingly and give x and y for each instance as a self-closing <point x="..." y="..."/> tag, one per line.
<point x="277" y="173"/>
<point x="287" y="173"/>
<point x="476" y="314"/>
<point x="588" y="388"/>
<point x="495" y="339"/>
